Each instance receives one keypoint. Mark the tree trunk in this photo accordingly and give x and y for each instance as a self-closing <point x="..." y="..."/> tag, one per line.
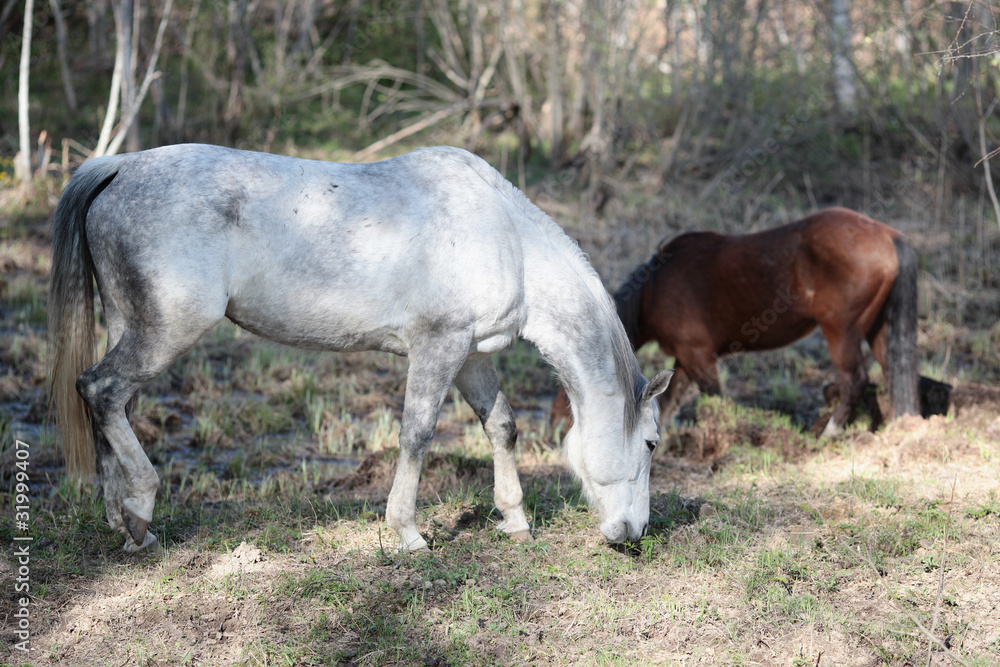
<point x="97" y="26"/>
<point x="67" y="77"/>
<point x="187" y="55"/>
<point x="237" y="44"/>
<point x="844" y="89"/>
<point x="132" y="24"/>
<point x="554" y="81"/>
<point x="22" y="166"/>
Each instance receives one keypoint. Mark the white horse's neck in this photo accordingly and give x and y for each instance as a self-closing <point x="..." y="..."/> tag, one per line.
<point x="574" y="324"/>
<point x="570" y="316"/>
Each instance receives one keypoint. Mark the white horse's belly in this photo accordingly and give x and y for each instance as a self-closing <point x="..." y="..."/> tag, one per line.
<point x="369" y="314"/>
<point x="317" y="323"/>
<point x="332" y="330"/>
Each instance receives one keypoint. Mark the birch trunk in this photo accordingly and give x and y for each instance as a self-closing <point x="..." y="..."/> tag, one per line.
<point x="67" y="76"/>
<point x="844" y="89"/>
<point x="22" y="166"/>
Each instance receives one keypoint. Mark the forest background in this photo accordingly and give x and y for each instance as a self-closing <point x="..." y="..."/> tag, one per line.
<point x="628" y="121"/>
<point x="816" y="99"/>
<point x="725" y="114"/>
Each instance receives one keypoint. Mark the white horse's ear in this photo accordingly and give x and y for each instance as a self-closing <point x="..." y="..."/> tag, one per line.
<point x="657" y="385"/>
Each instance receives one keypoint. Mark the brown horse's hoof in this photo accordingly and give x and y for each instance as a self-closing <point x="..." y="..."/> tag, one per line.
<point x="520" y="536"/>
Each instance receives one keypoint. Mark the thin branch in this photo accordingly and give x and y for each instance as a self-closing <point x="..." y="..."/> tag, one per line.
<point x="116" y="86"/>
<point x="150" y="76"/>
<point x="986" y="158"/>
<point x="450" y="40"/>
<point x="939" y="598"/>
<point x="452" y="75"/>
<point x="355" y="74"/>
<point x="421" y="124"/>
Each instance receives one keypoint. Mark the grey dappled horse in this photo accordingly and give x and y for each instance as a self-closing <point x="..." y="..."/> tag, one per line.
<point x="432" y="255"/>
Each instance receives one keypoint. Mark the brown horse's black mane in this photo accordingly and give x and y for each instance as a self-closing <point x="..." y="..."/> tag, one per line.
<point x="628" y="298"/>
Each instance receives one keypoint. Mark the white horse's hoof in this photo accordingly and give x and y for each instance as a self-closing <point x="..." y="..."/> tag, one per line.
<point x="419" y="545"/>
<point x="420" y="551"/>
<point x="520" y="536"/>
<point x="149" y="542"/>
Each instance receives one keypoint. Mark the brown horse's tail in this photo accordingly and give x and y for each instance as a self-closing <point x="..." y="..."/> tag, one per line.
<point x="71" y="314"/>
<point x="901" y="341"/>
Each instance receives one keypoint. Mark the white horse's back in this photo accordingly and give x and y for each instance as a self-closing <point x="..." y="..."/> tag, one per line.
<point x="318" y="254"/>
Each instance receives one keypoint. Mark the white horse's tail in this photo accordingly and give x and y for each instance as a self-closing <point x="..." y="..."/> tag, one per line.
<point x="71" y="313"/>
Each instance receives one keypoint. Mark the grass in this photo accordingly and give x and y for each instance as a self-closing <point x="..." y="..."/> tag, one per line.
<point x="719" y="562"/>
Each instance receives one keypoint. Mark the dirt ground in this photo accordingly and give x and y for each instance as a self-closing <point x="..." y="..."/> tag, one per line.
<point x="767" y="546"/>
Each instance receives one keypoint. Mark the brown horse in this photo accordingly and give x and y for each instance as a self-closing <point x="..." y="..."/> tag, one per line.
<point x="704" y="295"/>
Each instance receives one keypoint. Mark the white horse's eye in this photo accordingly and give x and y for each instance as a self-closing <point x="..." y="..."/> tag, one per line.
<point x="651" y="444"/>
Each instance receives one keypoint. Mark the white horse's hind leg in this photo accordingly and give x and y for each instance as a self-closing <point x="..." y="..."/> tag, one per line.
<point x="130" y="482"/>
<point x="434" y="363"/>
<point x="112" y="476"/>
<point x="129" y="479"/>
<point x="480" y="386"/>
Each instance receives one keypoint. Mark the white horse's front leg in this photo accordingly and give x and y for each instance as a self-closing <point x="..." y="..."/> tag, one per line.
<point x="480" y="386"/>
<point x="401" y="509"/>
<point x="433" y="365"/>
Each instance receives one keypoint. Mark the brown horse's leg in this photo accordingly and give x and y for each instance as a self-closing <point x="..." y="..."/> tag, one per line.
<point x="707" y="377"/>
<point x="845" y="352"/>
<point x="877" y="341"/>
<point x="693" y="366"/>
<point x="700" y="364"/>
<point x="670" y="400"/>
<point x="561" y="411"/>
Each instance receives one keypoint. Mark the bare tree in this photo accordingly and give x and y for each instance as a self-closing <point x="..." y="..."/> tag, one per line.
<point x="113" y="135"/>
<point x="67" y="77"/>
<point x="22" y="165"/>
<point x="844" y="88"/>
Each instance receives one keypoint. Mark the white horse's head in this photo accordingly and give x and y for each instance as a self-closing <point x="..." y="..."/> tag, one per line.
<point x="612" y="460"/>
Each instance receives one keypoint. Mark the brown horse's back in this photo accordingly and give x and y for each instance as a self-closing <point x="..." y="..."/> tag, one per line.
<point x="762" y="291"/>
<point x="846" y="270"/>
<point x="715" y="295"/>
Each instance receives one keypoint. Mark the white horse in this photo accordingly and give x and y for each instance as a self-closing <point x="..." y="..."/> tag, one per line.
<point x="432" y="255"/>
